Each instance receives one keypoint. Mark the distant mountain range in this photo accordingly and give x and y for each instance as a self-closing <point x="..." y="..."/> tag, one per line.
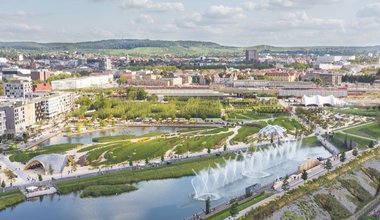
<point x="159" y="47"/>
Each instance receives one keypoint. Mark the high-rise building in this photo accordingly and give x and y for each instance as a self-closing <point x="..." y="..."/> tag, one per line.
<point x="251" y="56"/>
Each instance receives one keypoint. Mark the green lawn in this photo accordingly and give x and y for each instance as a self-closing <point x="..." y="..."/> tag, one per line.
<point x="246" y="131"/>
<point x="370" y="131"/>
<point x="355" y="111"/>
<point x="196" y="144"/>
<point x="106" y="190"/>
<point x="226" y="212"/>
<point x="125" y="137"/>
<point x="338" y="141"/>
<point x="215" y="131"/>
<point x="175" y="170"/>
<point x="25" y="155"/>
<point x="289" y="124"/>
<point x="10" y="198"/>
<point x="249" y="115"/>
<point x="140" y="151"/>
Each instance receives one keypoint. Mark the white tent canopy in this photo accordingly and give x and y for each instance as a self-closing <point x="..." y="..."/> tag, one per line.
<point x="322" y="100"/>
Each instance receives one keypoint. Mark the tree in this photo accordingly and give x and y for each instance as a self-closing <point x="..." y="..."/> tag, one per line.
<point x="351" y="145"/>
<point x="355" y="152"/>
<point x="377" y="118"/>
<point x="285" y="183"/>
<point x="51" y="170"/>
<point x="3" y="185"/>
<point x="25" y="137"/>
<point x="345" y="142"/>
<point x="371" y="144"/>
<point x="10" y="175"/>
<point x="39" y="177"/>
<point x="208" y="204"/>
<point x="234" y="209"/>
<point x="343" y="157"/>
<point x="304" y="175"/>
<point x="328" y="165"/>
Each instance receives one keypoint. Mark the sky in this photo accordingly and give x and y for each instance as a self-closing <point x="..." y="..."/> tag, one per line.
<point x="232" y="22"/>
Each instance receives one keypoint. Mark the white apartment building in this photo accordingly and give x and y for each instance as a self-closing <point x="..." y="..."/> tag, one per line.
<point x="83" y="82"/>
<point x="57" y="104"/>
<point x="18" y="89"/>
<point x="3" y="120"/>
<point x="15" y="118"/>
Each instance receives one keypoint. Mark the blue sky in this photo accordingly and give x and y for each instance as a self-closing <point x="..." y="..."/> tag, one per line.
<point x="236" y="23"/>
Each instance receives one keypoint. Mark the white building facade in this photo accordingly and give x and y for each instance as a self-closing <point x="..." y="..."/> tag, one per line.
<point x="83" y="82"/>
<point x="18" y="89"/>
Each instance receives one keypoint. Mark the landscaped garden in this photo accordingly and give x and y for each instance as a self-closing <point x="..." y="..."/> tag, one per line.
<point x="371" y="130"/>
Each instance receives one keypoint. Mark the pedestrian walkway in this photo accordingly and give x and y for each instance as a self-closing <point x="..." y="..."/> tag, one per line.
<point x="19" y="172"/>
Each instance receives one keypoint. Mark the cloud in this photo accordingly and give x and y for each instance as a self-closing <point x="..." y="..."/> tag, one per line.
<point x="221" y="11"/>
<point x="301" y="21"/>
<point x="285" y="4"/>
<point x="149" y="5"/>
<point x="144" y="19"/>
<point x="16" y="15"/>
<point x="371" y="10"/>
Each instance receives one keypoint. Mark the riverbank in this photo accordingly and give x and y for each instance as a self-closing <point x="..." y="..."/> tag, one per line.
<point x="133" y="125"/>
<point x="173" y="170"/>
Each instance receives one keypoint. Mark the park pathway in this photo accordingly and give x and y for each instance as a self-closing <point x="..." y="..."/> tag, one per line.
<point x="13" y="168"/>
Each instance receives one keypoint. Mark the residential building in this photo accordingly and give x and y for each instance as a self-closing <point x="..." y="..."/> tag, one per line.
<point x="40" y="75"/>
<point x="251" y="56"/>
<point x="282" y="76"/>
<point x="329" y="79"/>
<point x="57" y="104"/>
<point x="82" y="82"/>
<point x="3" y="120"/>
<point x="15" y="118"/>
<point x="18" y="89"/>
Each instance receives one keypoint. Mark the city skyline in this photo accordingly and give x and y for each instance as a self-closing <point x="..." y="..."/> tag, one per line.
<point x="238" y="23"/>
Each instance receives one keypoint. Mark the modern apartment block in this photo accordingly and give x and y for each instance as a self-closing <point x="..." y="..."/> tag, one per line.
<point x="18" y="89"/>
<point x="3" y="121"/>
<point x="251" y="56"/>
<point x="15" y="118"/>
<point x="56" y="104"/>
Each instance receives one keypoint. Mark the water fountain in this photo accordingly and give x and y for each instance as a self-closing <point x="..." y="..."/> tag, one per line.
<point x="252" y="165"/>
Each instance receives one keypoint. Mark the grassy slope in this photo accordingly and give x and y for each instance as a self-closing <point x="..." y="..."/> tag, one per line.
<point x="106" y="190"/>
<point x="175" y="170"/>
<point x="338" y="141"/>
<point x="369" y="130"/>
<point x="244" y="132"/>
<point x="226" y="212"/>
<point x="10" y="199"/>
<point x="26" y="155"/>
